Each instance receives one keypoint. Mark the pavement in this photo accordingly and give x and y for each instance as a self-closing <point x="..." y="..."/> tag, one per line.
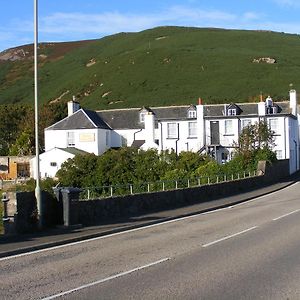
<point x="17" y="244"/>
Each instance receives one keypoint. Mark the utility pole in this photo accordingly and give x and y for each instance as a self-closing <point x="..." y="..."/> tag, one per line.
<point x="36" y="115"/>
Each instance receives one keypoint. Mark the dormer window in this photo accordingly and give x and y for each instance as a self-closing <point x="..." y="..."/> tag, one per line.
<point x="192" y="114"/>
<point x="231" y="112"/>
<point x="144" y="111"/>
<point x="270" y="110"/>
<point x="142" y="116"/>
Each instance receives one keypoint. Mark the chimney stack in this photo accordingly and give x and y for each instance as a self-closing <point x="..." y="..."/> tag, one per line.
<point x="293" y="101"/>
<point x="73" y="106"/>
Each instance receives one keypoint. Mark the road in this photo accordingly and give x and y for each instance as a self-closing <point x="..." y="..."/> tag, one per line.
<point x="247" y="251"/>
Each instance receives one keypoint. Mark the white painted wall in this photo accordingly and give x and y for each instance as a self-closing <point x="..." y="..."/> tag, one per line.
<point x="183" y="141"/>
<point x="227" y="139"/>
<point x="55" y="155"/>
<point x="89" y="140"/>
<point x="127" y="136"/>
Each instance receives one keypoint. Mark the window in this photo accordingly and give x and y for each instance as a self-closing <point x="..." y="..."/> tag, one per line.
<point x="278" y="154"/>
<point x="245" y="123"/>
<point x="192" y="114"/>
<point x="271" y="110"/>
<point x="70" y="139"/>
<point x="273" y="123"/>
<point x="53" y="164"/>
<point x="107" y="138"/>
<point x="172" y="130"/>
<point x="228" y="127"/>
<point x="192" y="129"/>
<point x="142" y="116"/>
<point x="231" y="112"/>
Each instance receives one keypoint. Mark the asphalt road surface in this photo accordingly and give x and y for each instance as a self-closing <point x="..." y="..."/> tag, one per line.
<point x="247" y="251"/>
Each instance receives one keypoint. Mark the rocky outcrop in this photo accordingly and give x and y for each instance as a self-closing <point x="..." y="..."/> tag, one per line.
<point x="14" y="55"/>
<point x="267" y="60"/>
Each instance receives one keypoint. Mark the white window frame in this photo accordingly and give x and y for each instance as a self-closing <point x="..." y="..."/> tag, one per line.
<point x="279" y="154"/>
<point x="192" y="127"/>
<point x="231" y="112"/>
<point x="228" y="128"/>
<point x="247" y="121"/>
<point x="192" y="114"/>
<point x="142" y="116"/>
<point x="172" y="130"/>
<point x="273" y="124"/>
<point x="70" y="139"/>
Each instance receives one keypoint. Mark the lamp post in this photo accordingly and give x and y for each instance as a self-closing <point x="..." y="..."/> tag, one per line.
<point x="37" y="157"/>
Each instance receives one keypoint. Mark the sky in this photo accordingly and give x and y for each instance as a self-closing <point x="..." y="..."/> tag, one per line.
<point x="69" y="20"/>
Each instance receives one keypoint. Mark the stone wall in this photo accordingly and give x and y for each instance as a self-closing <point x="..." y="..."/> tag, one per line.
<point x="100" y="210"/>
<point x="22" y="211"/>
<point x="89" y="212"/>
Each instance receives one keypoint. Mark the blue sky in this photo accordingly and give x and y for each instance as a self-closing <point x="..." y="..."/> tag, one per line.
<point x="66" y="20"/>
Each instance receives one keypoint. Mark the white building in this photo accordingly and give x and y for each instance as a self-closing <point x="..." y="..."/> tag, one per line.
<point x="200" y="128"/>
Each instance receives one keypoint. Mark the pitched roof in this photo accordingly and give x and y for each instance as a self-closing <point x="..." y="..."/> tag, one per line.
<point x="247" y="109"/>
<point x="74" y="151"/>
<point x="81" y="119"/>
<point x="129" y="118"/>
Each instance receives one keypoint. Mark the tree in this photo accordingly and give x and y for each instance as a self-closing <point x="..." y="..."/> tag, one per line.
<point x="78" y="171"/>
<point x="255" y="143"/>
<point x="254" y="137"/>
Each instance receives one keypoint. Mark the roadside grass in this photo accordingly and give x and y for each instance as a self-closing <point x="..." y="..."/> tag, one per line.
<point x="161" y="66"/>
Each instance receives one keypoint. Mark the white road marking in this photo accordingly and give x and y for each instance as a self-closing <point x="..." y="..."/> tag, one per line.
<point x="106" y="279"/>
<point x="135" y="229"/>
<point x="280" y="217"/>
<point x="228" y="237"/>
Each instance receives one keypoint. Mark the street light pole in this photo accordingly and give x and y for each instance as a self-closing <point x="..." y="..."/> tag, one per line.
<point x="37" y="157"/>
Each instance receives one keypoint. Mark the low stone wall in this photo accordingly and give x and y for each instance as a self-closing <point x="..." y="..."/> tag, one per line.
<point x="98" y="210"/>
<point x="22" y="212"/>
<point x="89" y="212"/>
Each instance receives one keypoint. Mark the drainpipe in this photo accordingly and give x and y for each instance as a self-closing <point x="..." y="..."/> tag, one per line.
<point x="136" y="133"/>
<point x="296" y="156"/>
<point x="176" y="147"/>
<point x="284" y="138"/>
<point x="161" y="136"/>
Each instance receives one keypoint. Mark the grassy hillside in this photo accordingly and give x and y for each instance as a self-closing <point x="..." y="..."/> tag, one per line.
<point x="160" y="66"/>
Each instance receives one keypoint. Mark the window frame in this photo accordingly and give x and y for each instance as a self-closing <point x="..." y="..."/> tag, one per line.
<point x="192" y="114"/>
<point x="231" y="112"/>
<point x="174" y="134"/>
<point x="249" y="121"/>
<point x="226" y="129"/>
<point x="192" y="131"/>
<point x="279" y="154"/>
<point x="142" y="116"/>
<point x="70" y="139"/>
<point x="276" y="125"/>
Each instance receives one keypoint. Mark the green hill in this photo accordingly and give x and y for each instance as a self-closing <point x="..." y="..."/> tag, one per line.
<point x="160" y="66"/>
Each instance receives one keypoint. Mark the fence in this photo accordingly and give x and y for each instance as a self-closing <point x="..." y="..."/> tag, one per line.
<point x="159" y="186"/>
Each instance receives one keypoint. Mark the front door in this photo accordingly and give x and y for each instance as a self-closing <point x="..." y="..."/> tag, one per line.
<point x="214" y="133"/>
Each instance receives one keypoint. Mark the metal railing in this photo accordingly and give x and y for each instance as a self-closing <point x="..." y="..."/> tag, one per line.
<point x="159" y="186"/>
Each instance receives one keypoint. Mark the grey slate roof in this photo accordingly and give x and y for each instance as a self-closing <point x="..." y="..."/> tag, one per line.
<point x="247" y="109"/>
<point x="81" y="119"/>
<point x="129" y="118"/>
<point x="73" y="150"/>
